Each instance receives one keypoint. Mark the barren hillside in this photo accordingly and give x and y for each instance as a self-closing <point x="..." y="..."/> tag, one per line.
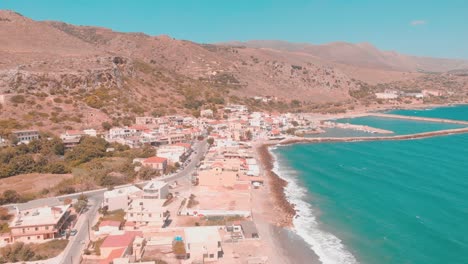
<point x="56" y="75"/>
<point x="361" y="55"/>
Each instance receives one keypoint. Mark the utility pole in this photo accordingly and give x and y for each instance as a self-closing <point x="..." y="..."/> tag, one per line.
<point x="89" y="232"/>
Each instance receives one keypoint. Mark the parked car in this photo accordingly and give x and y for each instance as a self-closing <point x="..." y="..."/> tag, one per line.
<point x="73" y="232"/>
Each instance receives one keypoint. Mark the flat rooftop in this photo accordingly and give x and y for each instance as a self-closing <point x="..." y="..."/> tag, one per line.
<point x="122" y="191"/>
<point x="202" y="234"/>
<point x="39" y="216"/>
<point x="154" y="185"/>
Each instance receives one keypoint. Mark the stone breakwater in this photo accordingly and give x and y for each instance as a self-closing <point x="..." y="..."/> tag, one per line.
<point x="295" y="140"/>
<point x="418" y="118"/>
<point x="285" y="210"/>
<point x="367" y="129"/>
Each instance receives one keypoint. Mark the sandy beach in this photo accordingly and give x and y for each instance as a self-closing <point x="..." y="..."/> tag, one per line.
<point x="273" y="215"/>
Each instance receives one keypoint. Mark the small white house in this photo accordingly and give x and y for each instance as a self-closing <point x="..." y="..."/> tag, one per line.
<point x="203" y="243"/>
<point x="156" y="190"/>
<point x="120" y="198"/>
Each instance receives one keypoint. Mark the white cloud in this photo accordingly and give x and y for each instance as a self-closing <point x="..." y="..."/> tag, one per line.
<point x="418" y="22"/>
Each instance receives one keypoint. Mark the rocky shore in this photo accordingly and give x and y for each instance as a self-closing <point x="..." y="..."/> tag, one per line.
<point x="285" y="210"/>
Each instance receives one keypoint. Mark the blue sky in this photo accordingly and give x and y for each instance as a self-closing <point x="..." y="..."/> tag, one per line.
<point x="419" y="27"/>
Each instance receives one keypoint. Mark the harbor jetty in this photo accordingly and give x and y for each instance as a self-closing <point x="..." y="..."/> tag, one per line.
<point x="294" y="140"/>
<point x="363" y="128"/>
<point x="418" y="118"/>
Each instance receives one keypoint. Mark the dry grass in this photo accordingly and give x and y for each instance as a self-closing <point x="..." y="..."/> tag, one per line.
<point x="31" y="183"/>
<point x="50" y="249"/>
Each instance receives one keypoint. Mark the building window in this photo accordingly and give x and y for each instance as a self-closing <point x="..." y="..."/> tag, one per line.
<point x="131" y="215"/>
<point x="36" y="228"/>
<point x="149" y="215"/>
<point x="24" y="231"/>
<point x="205" y="255"/>
<point x="47" y="227"/>
<point x="38" y="237"/>
<point x="29" y="238"/>
<point x="211" y="255"/>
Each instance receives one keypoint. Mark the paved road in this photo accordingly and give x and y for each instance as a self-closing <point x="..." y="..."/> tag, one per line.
<point x="200" y="149"/>
<point x="73" y="251"/>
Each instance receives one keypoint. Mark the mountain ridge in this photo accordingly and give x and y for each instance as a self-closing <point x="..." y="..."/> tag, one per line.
<point x="56" y="75"/>
<point x="334" y="51"/>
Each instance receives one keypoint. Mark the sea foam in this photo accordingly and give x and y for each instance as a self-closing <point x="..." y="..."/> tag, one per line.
<point x="327" y="246"/>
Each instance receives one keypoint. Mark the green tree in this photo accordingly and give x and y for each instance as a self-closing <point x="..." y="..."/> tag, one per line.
<point x="210" y="140"/>
<point x="89" y="148"/>
<point x="81" y="203"/>
<point x="22" y="164"/>
<point x="18" y="99"/>
<point x="249" y="135"/>
<point x="10" y="196"/>
<point x="56" y="168"/>
<point x="147" y="173"/>
<point x="178" y="248"/>
<point x="291" y="131"/>
<point x="106" y="125"/>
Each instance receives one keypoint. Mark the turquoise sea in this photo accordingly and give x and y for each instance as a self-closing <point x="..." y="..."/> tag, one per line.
<point x="383" y="201"/>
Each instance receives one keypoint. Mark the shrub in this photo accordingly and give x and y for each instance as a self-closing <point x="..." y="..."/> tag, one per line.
<point x="18" y="99"/>
<point x="106" y="125"/>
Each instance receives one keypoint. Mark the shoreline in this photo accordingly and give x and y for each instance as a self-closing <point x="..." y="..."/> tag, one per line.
<point x="298" y="230"/>
<point x="277" y="186"/>
<point x="287" y="211"/>
<point x="274" y="215"/>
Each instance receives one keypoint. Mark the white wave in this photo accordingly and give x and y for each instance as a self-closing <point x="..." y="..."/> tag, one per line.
<point x="327" y="246"/>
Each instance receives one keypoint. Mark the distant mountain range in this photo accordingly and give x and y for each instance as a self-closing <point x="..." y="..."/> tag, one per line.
<point x="62" y="75"/>
<point x="361" y="55"/>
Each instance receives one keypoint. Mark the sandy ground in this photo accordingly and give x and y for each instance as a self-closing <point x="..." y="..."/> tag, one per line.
<point x="31" y="183"/>
<point x="219" y="198"/>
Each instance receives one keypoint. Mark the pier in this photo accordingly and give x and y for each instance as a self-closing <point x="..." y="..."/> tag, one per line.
<point x="363" y="128"/>
<point x="418" y="118"/>
<point x="378" y="138"/>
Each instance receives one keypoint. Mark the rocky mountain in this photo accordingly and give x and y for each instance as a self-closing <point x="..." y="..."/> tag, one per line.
<point x="362" y="55"/>
<point x="57" y="75"/>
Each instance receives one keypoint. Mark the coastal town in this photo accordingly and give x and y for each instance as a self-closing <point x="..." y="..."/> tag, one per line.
<point x="201" y="212"/>
<point x="233" y="132"/>
<point x="211" y="195"/>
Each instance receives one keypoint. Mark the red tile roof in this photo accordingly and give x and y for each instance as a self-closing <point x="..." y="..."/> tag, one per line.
<point x="109" y="223"/>
<point x="155" y="160"/>
<point x="185" y="145"/>
<point x="128" y="223"/>
<point x="116" y="253"/>
<point x="116" y="241"/>
<point x="217" y="164"/>
<point x="139" y="127"/>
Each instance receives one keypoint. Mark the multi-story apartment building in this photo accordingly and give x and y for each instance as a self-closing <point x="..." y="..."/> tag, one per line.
<point x="39" y="224"/>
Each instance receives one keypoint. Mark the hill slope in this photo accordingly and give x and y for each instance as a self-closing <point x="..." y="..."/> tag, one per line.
<point x="57" y="75"/>
<point x="362" y="55"/>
